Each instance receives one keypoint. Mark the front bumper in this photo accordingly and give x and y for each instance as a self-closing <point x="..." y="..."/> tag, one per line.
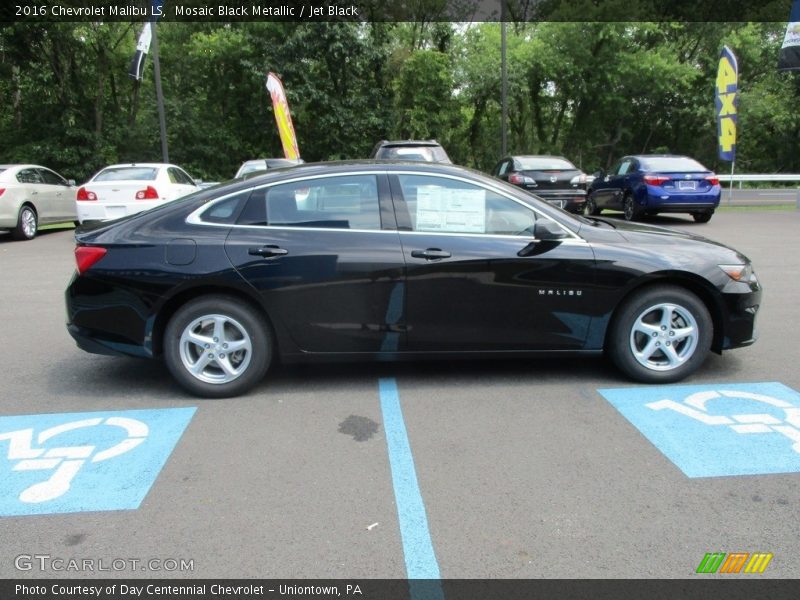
<point x="741" y="311"/>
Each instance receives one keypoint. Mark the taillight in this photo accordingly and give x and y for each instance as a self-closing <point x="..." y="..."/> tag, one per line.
<point x="656" y="179"/>
<point x="2" y="191"/>
<point x="515" y="178"/>
<point x="713" y="179"/>
<point x="84" y="195"/>
<point x="149" y="193"/>
<point x="86" y="256"/>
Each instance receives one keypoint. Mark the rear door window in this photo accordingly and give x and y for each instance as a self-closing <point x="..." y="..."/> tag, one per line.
<point x="346" y="202"/>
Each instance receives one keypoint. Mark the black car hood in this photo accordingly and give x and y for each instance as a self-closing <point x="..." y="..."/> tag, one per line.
<point x="641" y="235"/>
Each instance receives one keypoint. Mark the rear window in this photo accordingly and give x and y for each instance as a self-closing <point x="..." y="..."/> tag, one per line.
<point x="671" y="164"/>
<point x="543" y="163"/>
<point x="127" y="174"/>
<point x="251" y="167"/>
<point x="422" y="153"/>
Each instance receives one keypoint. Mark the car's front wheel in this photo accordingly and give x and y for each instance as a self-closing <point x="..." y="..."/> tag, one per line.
<point x="217" y="346"/>
<point x="27" y="224"/>
<point x="660" y="335"/>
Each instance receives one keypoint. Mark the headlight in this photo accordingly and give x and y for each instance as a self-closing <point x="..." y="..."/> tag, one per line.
<point x="743" y="273"/>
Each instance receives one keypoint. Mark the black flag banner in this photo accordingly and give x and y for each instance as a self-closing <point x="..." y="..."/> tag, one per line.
<point x="142" y="48"/>
<point x="789" y="58"/>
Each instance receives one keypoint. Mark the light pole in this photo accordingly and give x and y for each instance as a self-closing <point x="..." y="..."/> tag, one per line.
<point x="503" y="82"/>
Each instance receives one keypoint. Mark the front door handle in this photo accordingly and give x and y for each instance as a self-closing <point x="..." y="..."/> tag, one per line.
<point x="431" y="254"/>
<point x="268" y="251"/>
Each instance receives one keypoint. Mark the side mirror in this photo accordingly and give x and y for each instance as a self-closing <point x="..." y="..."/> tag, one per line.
<point x="599" y="174"/>
<point x="546" y="230"/>
<point x="198" y="181"/>
<point x="71" y="182"/>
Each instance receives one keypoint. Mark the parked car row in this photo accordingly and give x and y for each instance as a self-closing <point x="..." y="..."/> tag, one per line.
<point x="636" y="185"/>
<point x="32" y="195"/>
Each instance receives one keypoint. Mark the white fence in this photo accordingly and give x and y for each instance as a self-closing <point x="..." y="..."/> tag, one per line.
<point x="758" y="177"/>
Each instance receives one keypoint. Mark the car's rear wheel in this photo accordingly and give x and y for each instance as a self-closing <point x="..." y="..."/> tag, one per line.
<point x="27" y="224"/>
<point x="217" y="346"/>
<point x="591" y="206"/>
<point x="703" y="217"/>
<point x="630" y="209"/>
<point x="660" y="335"/>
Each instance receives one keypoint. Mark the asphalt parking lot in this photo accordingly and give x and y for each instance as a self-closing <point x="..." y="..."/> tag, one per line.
<point x="523" y="469"/>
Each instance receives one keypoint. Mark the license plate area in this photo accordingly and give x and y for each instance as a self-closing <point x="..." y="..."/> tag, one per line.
<point x="687" y="185"/>
<point x="558" y="203"/>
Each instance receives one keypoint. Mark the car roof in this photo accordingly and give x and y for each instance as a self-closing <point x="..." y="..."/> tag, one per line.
<point x="24" y="166"/>
<point x="657" y="156"/>
<point x="141" y="164"/>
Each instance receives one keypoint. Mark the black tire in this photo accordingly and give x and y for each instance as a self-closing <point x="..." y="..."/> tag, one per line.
<point x="591" y="206"/>
<point x="639" y="325"/>
<point x="235" y="323"/>
<point x="630" y="209"/>
<point x="703" y="217"/>
<point x="27" y="224"/>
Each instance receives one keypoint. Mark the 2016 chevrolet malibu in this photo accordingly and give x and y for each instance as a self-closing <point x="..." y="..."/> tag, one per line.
<point x="378" y="261"/>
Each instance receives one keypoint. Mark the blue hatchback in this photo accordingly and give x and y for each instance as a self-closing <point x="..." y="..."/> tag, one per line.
<point x="649" y="184"/>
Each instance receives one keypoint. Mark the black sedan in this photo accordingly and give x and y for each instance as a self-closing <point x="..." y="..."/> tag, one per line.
<point x="381" y="261"/>
<point x="553" y="178"/>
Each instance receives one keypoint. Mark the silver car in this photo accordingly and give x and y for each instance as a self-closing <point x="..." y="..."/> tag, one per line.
<point x="31" y="195"/>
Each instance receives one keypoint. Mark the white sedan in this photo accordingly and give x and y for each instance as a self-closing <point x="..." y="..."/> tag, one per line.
<point x="121" y="190"/>
<point x="31" y="195"/>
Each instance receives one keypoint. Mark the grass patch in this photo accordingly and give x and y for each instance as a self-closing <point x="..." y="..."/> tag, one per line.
<point x="57" y="226"/>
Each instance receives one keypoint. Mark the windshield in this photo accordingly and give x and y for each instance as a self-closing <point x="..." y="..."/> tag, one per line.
<point x="671" y="163"/>
<point x="544" y="163"/>
<point x="127" y="174"/>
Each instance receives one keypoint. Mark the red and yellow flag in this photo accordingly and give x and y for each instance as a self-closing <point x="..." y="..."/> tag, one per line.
<point x="282" y="116"/>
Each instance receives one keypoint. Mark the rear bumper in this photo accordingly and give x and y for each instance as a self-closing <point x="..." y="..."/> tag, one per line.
<point x="103" y="320"/>
<point x="661" y="200"/>
<point x="100" y="211"/>
<point x="682" y="208"/>
<point x="572" y="200"/>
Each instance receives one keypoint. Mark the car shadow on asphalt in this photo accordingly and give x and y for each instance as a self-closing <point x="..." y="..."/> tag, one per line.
<point x="145" y="381"/>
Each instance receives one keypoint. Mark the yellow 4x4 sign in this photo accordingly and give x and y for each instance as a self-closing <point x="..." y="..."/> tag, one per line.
<point x="726" y="101"/>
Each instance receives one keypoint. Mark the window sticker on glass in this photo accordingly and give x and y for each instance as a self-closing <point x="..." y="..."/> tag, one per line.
<point x="451" y="210"/>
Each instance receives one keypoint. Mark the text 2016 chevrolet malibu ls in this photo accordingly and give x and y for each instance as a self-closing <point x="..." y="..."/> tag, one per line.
<point x="375" y="261"/>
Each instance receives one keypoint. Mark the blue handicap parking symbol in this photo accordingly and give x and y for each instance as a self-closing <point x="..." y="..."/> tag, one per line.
<point x="75" y="462"/>
<point x="720" y="429"/>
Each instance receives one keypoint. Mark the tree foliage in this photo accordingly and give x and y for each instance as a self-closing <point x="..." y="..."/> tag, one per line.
<point x="589" y="91"/>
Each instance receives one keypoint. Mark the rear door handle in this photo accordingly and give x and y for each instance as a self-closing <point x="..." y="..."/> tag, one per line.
<point x="268" y="251"/>
<point x="431" y="254"/>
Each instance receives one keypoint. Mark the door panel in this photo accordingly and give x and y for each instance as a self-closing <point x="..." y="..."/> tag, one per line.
<point x="334" y="284"/>
<point x="479" y="281"/>
<point x="486" y="297"/>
